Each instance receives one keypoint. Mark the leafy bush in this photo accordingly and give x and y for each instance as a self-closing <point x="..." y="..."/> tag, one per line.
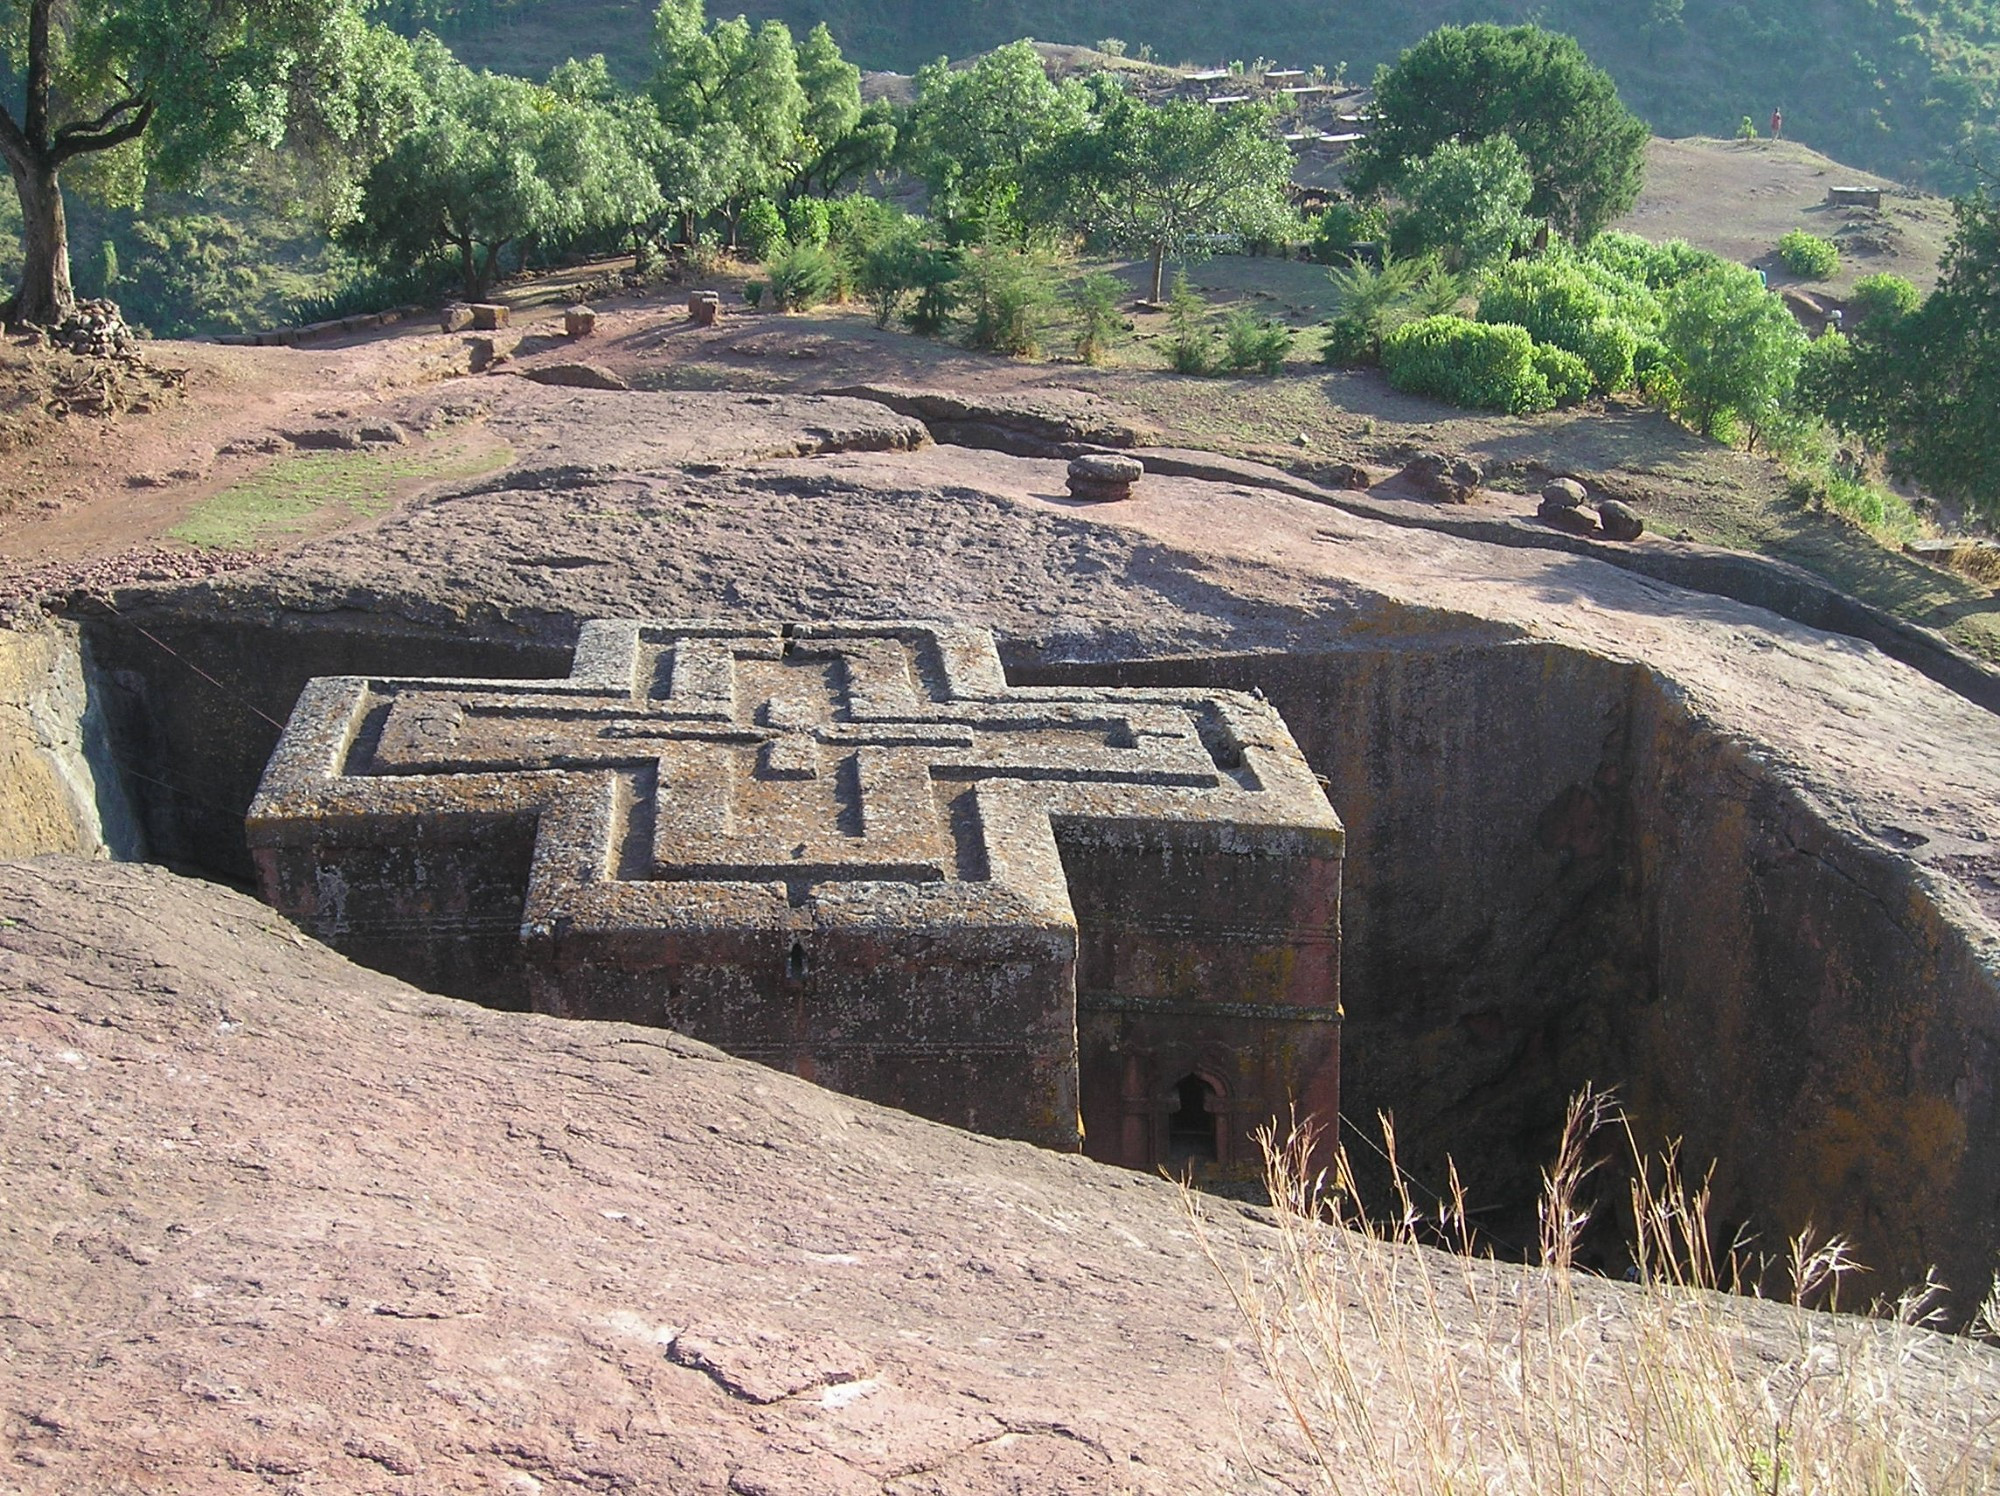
<point x="1192" y="348"/>
<point x="1567" y="376"/>
<point x="1093" y="302"/>
<point x="1655" y="266"/>
<point x="802" y="277"/>
<point x="807" y="222"/>
<point x="1251" y="343"/>
<point x="1735" y="351"/>
<point x="1010" y="293"/>
<point x="1343" y="225"/>
<point x="1468" y="203"/>
<point x="1808" y="255"/>
<point x="1882" y="300"/>
<point x="753" y="293"/>
<point x="938" y="277"/>
<point x="1481" y="365"/>
<point x="761" y="229"/>
<point x="1372" y="301"/>
<point x="1565" y="303"/>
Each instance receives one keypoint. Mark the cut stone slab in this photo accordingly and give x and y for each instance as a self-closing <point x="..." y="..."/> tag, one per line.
<point x="489" y="316"/>
<point x="579" y="322"/>
<point x="855" y="852"/>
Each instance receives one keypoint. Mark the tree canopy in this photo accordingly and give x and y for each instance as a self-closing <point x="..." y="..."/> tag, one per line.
<point x="491" y="160"/>
<point x="1468" y="203"/>
<point x="1585" y="151"/>
<point x="1163" y="180"/>
<point x="1927" y="383"/>
<point x="172" y="83"/>
<point x="972" y="131"/>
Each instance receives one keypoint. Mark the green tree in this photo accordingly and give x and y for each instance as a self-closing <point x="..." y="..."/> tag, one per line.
<point x="491" y="162"/>
<point x="1164" y="180"/>
<point x="170" y="85"/>
<point x="972" y="132"/>
<point x="1585" y="150"/>
<point x="1735" y="350"/>
<point x="1466" y="202"/>
<point x="1927" y="385"/>
<point x="735" y="91"/>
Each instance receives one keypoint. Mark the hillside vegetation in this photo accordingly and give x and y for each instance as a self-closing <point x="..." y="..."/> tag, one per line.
<point x="1902" y="87"/>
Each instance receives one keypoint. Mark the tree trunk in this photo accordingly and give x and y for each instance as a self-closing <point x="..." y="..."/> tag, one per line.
<point x="1159" y="270"/>
<point x="46" y="295"/>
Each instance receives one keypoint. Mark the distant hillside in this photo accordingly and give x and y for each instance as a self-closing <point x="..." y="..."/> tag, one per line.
<point x="1891" y="85"/>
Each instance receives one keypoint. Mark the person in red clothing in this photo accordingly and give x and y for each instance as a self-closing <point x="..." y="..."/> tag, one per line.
<point x="1777" y="124"/>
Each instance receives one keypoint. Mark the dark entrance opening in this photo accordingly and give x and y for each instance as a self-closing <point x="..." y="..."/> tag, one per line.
<point x="1191" y="1125"/>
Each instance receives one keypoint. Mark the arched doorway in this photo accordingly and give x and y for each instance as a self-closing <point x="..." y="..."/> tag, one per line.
<point x="1194" y="1123"/>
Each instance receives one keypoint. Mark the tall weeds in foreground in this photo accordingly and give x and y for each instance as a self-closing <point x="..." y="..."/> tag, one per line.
<point x="1412" y="1372"/>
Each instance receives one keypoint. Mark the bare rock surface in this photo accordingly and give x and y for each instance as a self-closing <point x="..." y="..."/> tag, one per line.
<point x="559" y="431"/>
<point x="276" y="1223"/>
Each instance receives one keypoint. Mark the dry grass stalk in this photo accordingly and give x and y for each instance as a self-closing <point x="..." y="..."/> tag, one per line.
<point x="1408" y="1371"/>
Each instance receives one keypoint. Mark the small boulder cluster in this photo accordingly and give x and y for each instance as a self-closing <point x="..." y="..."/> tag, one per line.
<point x="94" y="329"/>
<point x="1566" y="506"/>
<point x="1441" y="479"/>
<point x="1104" y="476"/>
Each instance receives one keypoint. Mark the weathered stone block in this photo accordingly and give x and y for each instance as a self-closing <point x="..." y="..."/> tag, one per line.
<point x="579" y="322"/>
<point x="704" y="307"/>
<point x="1104" y="476"/>
<point x="852" y="850"/>
<point x="489" y="316"/>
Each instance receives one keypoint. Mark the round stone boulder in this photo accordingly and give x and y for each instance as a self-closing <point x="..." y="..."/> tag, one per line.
<point x="1573" y="518"/>
<point x="1565" y="493"/>
<point x="1620" y="521"/>
<point x="1104" y="476"/>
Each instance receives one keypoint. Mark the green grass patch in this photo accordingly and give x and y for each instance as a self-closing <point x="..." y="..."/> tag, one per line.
<point x="306" y="495"/>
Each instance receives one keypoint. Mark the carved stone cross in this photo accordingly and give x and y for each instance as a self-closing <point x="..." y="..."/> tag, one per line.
<point x="850" y="849"/>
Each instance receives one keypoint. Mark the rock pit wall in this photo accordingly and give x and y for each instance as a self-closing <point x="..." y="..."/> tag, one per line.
<point x="1555" y="875"/>
<point x="59" y="791"/>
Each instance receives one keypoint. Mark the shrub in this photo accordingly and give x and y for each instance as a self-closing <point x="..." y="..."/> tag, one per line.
<point x="1010" y="293"/>
<point x="939" y="273"/>
<point x="1373" y="301"/>
<point x="807" y="222"/>
<point x="1093" y="302"/>
<point x="753" y="293"/>
<point x="1610" y="350"/>
<point x="1563" y="303"/>
<point x="1192" y="348"/>
<point x="803" y="276"/>
<point x="1735" y="351"/>
<point x="761" y="229"/>
<point x="1251" y="343"/>
<point x="1655" y="266"/>
<point x="1808" y="255"/>
<point x="1343" y="225"/>
<point x="1880" y="301"/>
<point x="1468" y="203"/>
<point x="1567" y="376"/>
<point x="1482" y="365"/>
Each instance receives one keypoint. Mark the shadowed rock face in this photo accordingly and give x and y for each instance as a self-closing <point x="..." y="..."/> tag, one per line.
<point x="1599" y="828"/>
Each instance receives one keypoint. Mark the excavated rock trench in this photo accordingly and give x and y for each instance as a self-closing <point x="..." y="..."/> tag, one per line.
<point x="1599" y="830"/>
